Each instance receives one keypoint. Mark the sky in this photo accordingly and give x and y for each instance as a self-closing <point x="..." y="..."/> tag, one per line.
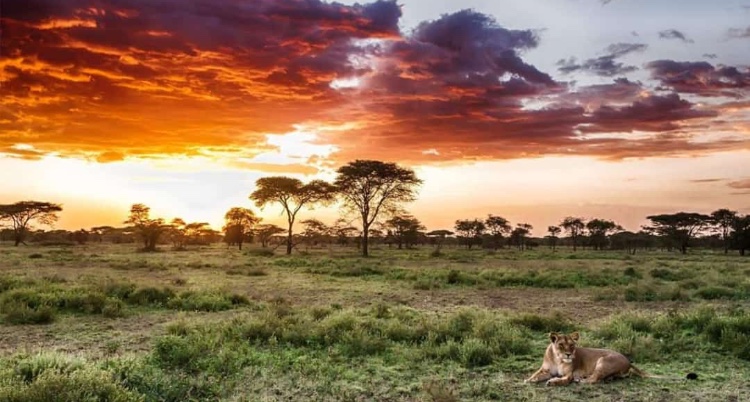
<point x="531" y="110"/>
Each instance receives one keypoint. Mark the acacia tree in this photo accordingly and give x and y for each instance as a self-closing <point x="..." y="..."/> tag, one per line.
<point x="723" y="219"/>
<point x="183" y="233"/>
<point x="497" y="226"/>
<point x="554" y="235"/>
<point x="439" y="236"/>
<point x="99" y="231"/>
<point x="177" y="233"/>
<point x="22" y="214"/>
<point x="404" y="229"/>
<point x="373" y="187"/>
<point x="470" y="230"/>
<point x="343" y="231"/>
<point x="679" y="228"/>
<point x="598" y="230"/>
<point x="266" y="232"/>
<point x="574" y="226"/>
<point x="149" y="229"/>
<point x="239" y="223"/>
<point x="518" y="236"/>
<point x="292" y="195"/>
<point x="315" y="231"/>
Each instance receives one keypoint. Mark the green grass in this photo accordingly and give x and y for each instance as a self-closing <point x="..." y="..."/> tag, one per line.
<point x="103" y="322"/>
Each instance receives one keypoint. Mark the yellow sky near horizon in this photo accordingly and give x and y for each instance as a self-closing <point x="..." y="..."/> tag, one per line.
<point x="539" y="191"/>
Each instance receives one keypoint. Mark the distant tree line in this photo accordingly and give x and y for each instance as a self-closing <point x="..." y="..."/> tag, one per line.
<point x="371" y="194"/>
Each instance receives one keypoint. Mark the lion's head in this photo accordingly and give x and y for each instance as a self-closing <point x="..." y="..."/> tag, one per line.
<point x="564" y="346"/>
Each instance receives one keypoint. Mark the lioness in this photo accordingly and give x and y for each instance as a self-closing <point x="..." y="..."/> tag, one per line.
<point x="564" y="362"/>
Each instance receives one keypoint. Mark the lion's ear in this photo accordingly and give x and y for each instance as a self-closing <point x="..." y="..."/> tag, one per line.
<point x="553" y="336"/>
<point x="575" y="336"/>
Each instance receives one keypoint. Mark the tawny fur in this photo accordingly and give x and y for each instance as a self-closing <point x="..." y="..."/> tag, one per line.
<point x="564" y="363"/>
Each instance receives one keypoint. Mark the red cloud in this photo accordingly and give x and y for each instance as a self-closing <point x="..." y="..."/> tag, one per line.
<point x="108" y="79"/>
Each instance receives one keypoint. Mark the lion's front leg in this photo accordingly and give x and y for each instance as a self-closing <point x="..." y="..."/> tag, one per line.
<point x="560" y="380"/>
<point x="541" y="375"/>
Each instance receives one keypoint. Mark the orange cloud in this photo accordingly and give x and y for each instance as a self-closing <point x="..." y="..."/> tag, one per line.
<point x="96" y="80"/>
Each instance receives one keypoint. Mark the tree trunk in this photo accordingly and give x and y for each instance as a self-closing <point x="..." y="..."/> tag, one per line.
<point x="239" y="245"/>
<point x="365" y="229"/>
<point x="289" y="239"/>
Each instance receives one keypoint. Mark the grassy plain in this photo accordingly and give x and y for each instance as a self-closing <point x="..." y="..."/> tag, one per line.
<point x="104" y="322"/>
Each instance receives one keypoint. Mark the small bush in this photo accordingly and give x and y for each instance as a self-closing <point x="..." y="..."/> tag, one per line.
<point x="543" y="323"/>
<point x="151" y="296"/>
<point x="18" y="313"/>
<point x="645" y="293"/>
<point x="113" y="309"/>
<point x="206" y="301"/>
<point x="260" y="252"/>
<point x="476" y="353"/>
<point x="631" y="272"/>
<point x="118" y="290"/>
<point x="29" y="368"/>
<point x="667" y="274"/>
<point x="715" y="293"/>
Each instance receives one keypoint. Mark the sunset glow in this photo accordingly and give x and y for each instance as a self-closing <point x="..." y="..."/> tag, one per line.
<point x="530" y="110"/>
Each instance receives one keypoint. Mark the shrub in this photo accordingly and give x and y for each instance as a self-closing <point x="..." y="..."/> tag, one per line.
<point x="653" y="293"/>
<point x="260" y="252"/>
<point x="206" y="301"/>
<point x="29" y="368"/>
<point x="80" y="385"/>
<point x="151" y="296"/>
<point x="17" y="313"/>
<point x="118" y="290"/>
<point x="631" y="272"/>
<point x="476" y="353"/>
<point x="714" y="293"/>
<point x="543" y="323"/>
<point x="113" y="308"/>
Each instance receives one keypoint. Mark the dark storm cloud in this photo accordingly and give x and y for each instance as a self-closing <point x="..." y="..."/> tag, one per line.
<point x="701" y="78"/>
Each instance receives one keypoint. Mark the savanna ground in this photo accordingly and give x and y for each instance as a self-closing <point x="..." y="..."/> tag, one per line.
<point x="104" y="322"/>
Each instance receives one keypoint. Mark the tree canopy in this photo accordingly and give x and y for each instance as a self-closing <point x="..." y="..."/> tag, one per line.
<point x="679" y="228"/>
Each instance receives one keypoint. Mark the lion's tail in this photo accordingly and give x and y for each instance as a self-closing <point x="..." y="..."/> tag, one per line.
<point x="640" y="373"/>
